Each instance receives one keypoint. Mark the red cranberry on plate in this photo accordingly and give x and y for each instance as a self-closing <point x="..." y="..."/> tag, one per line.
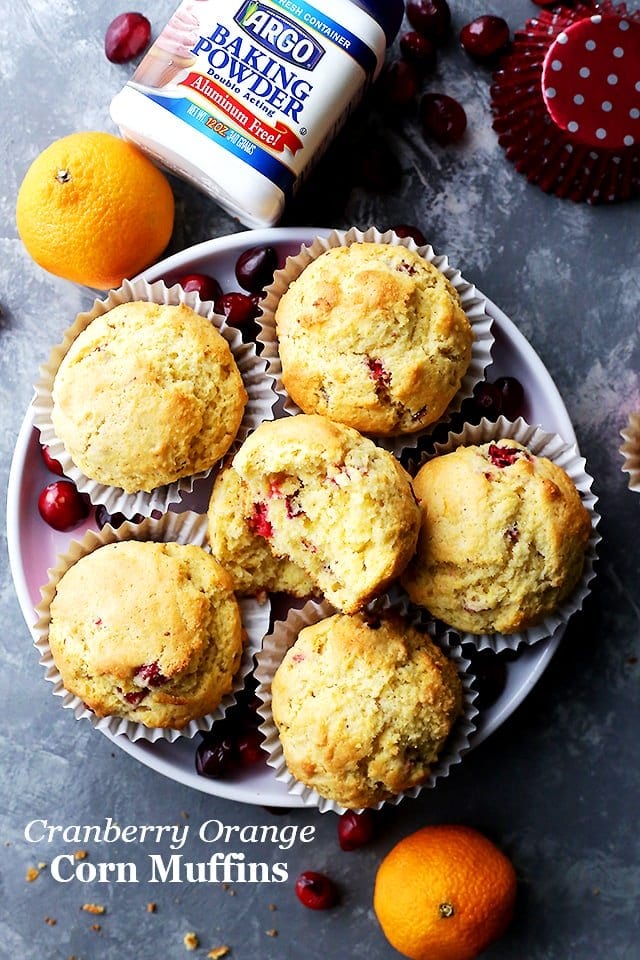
<point x="255" y="268"/>
<point x="216" y="754"/>
<point x="126" y="37"/>
<point x="206" y="287"/>
<point x="239" y="309"/>
<point x="316" y="891"/>
<point x="62" y="506"/>
<point x="487" y="399"/>
<point x="355" y="829"/>
<point x="419" y="50"/>
<point x="432" y="18"/>
<point x="443" y="118"/>
<point x="249" y="747"/>
<point x="50" y="463"/>
<point x="408" y="230"/>
<point x="512" y="396"/>
<point x="485" y="37"/>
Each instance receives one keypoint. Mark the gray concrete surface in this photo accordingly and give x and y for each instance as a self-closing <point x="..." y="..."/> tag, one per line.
<point x="557" y="785"/>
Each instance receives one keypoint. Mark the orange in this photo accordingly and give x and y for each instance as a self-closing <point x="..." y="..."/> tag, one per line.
<point x="444" y="893"/>
<point x="93" y="209"/>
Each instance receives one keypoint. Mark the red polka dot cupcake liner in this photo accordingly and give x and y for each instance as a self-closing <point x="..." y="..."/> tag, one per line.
<point x="566" y="102"/>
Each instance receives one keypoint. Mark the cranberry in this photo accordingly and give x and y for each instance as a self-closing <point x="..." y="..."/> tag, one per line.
<point x="490" y="674"/>
<point x="126" y="37"/>
<point x="379" y="169"/>
<point x="355" y="829"/>
<point x="240" y="309"/>
<point x="149" y="674"/>
<point x="512" y="394"/>
<point x="61" y="506"/>
<point x="432" y="18"/>
<point x="315" y="890"/>
<point x="259" y="522"/>
<point x="115" y="520"/>
<point x="216" y="755"/>
<point x="134" y="697"/>
<point x="255" y="268"/>
<point x="406" y="230"/>
<point x="485" y="37"/>
<point x="50" y="463"/>
<point x="380" y="376"/>
<point x="206" y="287"/>
<point x="249" y="747"/>
<point x="398" y="86"/>
<point x="503" y="456"/>
<point x="443" y="118"/>
<point x="419" y="50"/>
<point x="487" y="398"/>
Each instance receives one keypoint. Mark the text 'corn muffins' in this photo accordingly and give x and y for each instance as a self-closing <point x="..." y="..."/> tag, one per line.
<point x="363" y="707"/>
<point x="243" y="552"/>
<point x="374" y="336"/>
<point x="147" y="631"/>
<point x="503" y="538"/>
<point x="147" y="393"/>
<point x="333" y="502"/>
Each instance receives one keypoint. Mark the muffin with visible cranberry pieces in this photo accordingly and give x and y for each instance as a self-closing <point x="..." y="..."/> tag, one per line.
<point x="503" y="538"/>
<point x="333" y="502"/>
<point x="147" y="631"/>
<point x="239" y="536"/>
<point x="374" y="336"/>
<point x="363" y="707"/>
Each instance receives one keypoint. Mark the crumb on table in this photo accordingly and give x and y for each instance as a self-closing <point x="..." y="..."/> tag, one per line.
<point x="191" y="941"/>
<point x="94" y="908"/>
<point x="218" y="952"/>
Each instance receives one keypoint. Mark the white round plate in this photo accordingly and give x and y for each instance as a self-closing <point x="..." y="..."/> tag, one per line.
<point x="33" y="545"/>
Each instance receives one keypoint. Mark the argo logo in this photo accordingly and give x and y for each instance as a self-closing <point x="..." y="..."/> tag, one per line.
<point x="279" y="34"/>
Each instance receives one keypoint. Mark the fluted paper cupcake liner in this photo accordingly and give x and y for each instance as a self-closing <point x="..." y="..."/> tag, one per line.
<point x="567" y="456"/>
<point x="473" y="304"/>
<point x="630" y="451"/>
<point x="284" y="635"/>
<point x="258" y="383"/>
<point x="186" y="528"/>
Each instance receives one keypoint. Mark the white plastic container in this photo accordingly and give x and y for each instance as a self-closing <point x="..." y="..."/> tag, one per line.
<point x="241" y="97"/>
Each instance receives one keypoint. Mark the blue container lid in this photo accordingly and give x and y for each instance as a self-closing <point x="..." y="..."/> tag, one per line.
<point x="388" y="13"/>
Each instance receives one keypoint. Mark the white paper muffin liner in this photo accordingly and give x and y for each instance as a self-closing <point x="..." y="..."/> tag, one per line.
<point x="630" y="451"/>
<point x="554" y="448"/>
<point x="258" y="383"/>
<point x="187" y="528"/>
<point x="284" y="635"/>
<point x="473" y="304"/>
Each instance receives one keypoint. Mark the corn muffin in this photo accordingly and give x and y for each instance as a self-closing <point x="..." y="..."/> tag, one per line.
<point x="147" y="393"/>
<point x="243" y="552"/>
<point x="363" y="707"/>
<point x="502" y="541"/>
<point x="333" y="502"/>
<point x="374" y="336"/>
<point x="147" y="631"/>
